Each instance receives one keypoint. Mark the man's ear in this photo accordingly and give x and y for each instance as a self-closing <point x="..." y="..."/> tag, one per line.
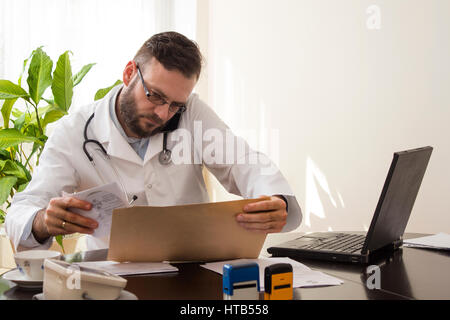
<point x="129" y="72"/>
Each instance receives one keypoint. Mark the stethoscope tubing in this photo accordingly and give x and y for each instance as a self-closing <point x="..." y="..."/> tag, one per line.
<point x="165" y="156"/>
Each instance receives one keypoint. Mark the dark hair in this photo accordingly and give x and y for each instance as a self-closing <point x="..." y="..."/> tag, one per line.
<point x="174" y="51"/>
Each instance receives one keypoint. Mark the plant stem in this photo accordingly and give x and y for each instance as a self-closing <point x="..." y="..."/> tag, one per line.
<point x="38" y="120"/>
<point x="41" y="149"/>
<point x="27" y="163"/>
<point x="21" y="152"/>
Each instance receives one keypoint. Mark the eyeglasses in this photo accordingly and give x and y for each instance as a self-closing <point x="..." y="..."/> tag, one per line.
<point x="155" y="98"/>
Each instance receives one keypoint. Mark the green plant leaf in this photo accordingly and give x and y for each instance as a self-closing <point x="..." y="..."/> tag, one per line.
<point x="39" y="74"/>
<point x="2" y="220"/>
<point x="49" y="101"/>
<point x="16" y="169"/>
<point x="20" y="121"/>
<point x="4" y="155"/>
<point x="22" y="173"/>
<point x="52" y="115"/>
<point x="59" y="240"/>
<point x="103" y="92"/>
<point x="6" y="184"/>
<point x="9" y="90"/>
<point x="62" y="86"/>
<point x="25" y="62"/>
<point x="6" y="111"/>
<point x="80" y="75"/>
<point x="12" y="137"/>
<point x="22" y="186"/>
<point x="16" y="112"/>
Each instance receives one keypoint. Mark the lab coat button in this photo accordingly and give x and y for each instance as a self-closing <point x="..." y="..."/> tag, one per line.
<point x="149" y="186"/>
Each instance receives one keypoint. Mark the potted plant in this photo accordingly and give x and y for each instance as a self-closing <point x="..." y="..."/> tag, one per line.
<point x="26" y="115"/>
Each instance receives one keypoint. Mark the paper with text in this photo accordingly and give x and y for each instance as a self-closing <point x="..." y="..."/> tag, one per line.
<point x="104" y="200"/>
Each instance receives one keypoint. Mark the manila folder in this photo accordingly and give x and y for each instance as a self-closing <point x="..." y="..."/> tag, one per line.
<point x="194" y="232"/>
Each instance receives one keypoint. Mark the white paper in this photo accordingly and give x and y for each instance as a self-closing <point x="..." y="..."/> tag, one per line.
<point x="302" y="275"/>
<point x="437" y="241"/>
<point x="104" y="200"/>
<point x="129" y="268"/>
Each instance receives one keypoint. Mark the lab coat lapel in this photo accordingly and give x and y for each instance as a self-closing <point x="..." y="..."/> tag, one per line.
<point x="155" y="146"/>
<point x="108" y="135"/>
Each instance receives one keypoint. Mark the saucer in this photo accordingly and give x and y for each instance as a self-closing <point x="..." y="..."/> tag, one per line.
<point x="124" y="295"/>
<point x="19" y="279"/>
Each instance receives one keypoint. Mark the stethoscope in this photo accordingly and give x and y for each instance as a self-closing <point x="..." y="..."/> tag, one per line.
<point x="165" y="156"/>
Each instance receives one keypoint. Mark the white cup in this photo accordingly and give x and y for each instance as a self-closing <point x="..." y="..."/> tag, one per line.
<point x="31" y="263"/>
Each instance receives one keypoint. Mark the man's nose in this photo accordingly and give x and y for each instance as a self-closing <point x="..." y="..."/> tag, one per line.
<point x="162" y="111"/>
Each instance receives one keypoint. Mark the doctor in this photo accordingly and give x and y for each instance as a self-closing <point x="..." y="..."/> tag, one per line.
<point x="128" y="137"/>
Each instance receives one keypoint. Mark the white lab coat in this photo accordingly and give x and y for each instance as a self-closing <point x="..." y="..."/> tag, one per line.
<point x="65" y="167"/>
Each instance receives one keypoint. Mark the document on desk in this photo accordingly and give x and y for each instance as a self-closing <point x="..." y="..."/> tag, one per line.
<point x="129" y="268"/>
<point x="303" y="275"/>
<point x="104" y="200"/>
<point x="440" y="241"/>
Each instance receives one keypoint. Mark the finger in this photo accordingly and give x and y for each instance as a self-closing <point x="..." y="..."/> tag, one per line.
<point x="58" y="212"/>
<point x="267" y="227"/>
<point x="70" y="202"/>
<point x="262" y="216"/>
<point x="55" y="227"/>
<point x="254" y="217"/>
<point x="74" y="228"/>
<point x="79" y="220"/>
<point x="266" y="205"/>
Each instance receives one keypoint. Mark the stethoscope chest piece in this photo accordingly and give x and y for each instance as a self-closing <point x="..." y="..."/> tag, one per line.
<point x="165" y="157"/>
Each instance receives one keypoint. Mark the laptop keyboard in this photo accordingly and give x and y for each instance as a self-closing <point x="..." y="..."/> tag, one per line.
<point x="348" y="243"/>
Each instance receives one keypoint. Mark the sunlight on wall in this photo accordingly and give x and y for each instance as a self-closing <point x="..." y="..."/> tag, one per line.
<point x="313" y="202"/>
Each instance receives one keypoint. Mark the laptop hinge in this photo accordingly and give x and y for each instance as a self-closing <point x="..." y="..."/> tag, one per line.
<point x="397" y="243"/>
<point x="394" y="245"/>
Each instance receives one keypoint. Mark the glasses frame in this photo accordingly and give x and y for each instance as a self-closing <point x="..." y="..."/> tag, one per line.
<point x="159" y="101"/>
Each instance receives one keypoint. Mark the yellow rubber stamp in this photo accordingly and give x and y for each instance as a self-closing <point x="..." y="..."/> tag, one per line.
<point x="278" y="279"/>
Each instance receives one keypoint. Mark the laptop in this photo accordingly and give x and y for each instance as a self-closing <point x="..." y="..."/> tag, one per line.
<point x="388" y="223"/>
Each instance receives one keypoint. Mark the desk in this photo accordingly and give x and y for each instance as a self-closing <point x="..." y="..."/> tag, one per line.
<point x="408" y="273"/>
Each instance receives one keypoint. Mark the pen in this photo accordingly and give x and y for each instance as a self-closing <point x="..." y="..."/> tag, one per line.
<point x="133" y="200"/>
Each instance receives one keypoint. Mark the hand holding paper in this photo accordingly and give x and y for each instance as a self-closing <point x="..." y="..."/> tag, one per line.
<point x="57" y="219"/>
<point x="104" y="199"/>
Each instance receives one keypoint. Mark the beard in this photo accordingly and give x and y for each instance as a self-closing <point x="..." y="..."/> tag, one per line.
<point x="133" y="120"/>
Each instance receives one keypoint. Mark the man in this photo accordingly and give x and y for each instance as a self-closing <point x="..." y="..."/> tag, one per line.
<point x="124" y="133"/>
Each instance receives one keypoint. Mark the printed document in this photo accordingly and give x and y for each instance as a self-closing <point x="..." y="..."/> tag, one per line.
<point x="104" y="200"/>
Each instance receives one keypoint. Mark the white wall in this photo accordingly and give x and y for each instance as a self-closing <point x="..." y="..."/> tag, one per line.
<point x="342" y="98"/>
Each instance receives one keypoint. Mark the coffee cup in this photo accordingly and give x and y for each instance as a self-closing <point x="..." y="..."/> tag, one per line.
<point x="31" y="263"/>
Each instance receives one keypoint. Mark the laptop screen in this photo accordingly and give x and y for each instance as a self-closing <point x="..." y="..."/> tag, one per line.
<point x="397" y="197"/>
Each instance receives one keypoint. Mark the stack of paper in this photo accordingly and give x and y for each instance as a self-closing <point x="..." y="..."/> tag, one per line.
<point x="129" y="268"/>
<point x="440" y="241"/>
<point x="303" y="276"/>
